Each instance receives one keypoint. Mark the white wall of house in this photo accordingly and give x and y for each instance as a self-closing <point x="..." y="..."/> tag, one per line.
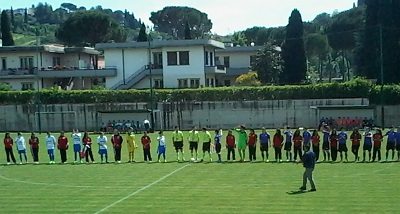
<point x="72" y="60"/>
<point x="195" y="69"/>
<point x="13" y="59"/>
<point x="134" y="60"/>
<point x="145" y="82"/>
<point x="237" y="60"/>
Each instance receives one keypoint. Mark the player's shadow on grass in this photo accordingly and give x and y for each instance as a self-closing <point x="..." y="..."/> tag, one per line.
<point x="296" y="192"/>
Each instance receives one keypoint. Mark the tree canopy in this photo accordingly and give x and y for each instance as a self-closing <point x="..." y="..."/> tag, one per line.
<point x="268" y="64"/>
<point x="142" y="34"/>
<point x="172" y="20"/>
<point x="89" y="28"/>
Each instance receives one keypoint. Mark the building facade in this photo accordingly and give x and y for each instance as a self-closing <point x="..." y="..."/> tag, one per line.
<point x="162" y="64"/>
<point x="45" y="66"/>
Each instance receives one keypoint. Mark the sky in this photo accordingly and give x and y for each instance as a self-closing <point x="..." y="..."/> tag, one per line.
<point x="228" y="16"/>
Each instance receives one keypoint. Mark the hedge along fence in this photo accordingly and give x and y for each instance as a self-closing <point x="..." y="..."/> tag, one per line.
<point x="355" y="89"/>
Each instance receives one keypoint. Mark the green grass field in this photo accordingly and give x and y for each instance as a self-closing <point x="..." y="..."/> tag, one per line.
<point x="195" y="187"/>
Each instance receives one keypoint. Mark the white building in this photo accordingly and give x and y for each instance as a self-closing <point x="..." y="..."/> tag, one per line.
<point x="45" y="66"/>
<point x="237" y="61"/>
<point x="174" y="63"/>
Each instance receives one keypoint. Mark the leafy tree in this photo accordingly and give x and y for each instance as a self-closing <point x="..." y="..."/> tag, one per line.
<point x="69" y="7"/>
<point x="130" y="20"/>
<point x="6" y="30"/>
<point x="172" y="20"/>
<point x="317" y="47"/>
<point x="293" y="53"/>
<point x="239" y="39"/>
<point x="89" y="28"/>
<point x="248" y="79"/>
<point x="44" y="13"/>
<point x="142" y="34"/>
<point x="268" y="64"/>
<point x="188" y="32"/>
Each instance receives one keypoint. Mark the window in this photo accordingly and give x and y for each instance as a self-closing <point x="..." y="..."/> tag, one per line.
<point x="206" y="58"/>
<point x="226" y="61"/>
<point x="56" y="61"/>
<point x="217" y="62"/>
<point x="158" y="83"/>
<point x="210" y="82"/>
<point x="194" y="83"/>
<point x="182" y="83"/>
<point x="27" y="86"/>
<point x="157" y="59"/>
<point x="184" y="58"/>
<point x="26" y="62"/>
<point x="211" y="59"/>
<point x="172" y="58"/>
<point x="3" y="63"/>
<point x="253" y="60"/>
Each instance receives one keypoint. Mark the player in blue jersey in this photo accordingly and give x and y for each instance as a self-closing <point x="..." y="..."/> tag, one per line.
<point x="306" y="138"/>
<point x="325" y="141"/>
<point x="288" y="144"/>
<point x="342" y="137"/>
<point x="217" y="143"/>
<point x="264" y="144"/>
<point x="391" y="142"/>
<point x="367" y="143"/>
<point x="398" y="143"/>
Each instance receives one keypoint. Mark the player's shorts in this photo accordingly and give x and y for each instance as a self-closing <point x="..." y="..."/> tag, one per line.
<point x="241" y="146"/>
<point x="343" y="148"/>
<point x="102" y="151"/>
<point x="23" y="151"/>
<point x="377" y="147"/>
<point x="178" y="145"/>
<point x="264" y="147"/>
<point x="161" y="150"/>
<point x="288" y="146"/>
<point x="131" y="147"/>
<point x="218" y="148"/>
<point x="355" y="147"/>
<point x="206" y="147"/>
<point x="77" y="147"/>
<point x="398" y="147"/>
<point x="50" y="151"/>
<point x="367" y="147"/>
<point x="193" y="145"/>
<point x="325" y="145"/>
<point x="390" y="145"/>
<point x="297" y="147"/>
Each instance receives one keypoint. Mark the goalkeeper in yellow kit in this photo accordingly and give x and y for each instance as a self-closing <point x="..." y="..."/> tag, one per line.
<point x="130" y="139"/>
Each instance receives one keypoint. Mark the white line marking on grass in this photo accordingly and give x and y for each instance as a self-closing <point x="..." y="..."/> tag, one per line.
<point x="43" y="184"/>
<point x="142" y="189"/>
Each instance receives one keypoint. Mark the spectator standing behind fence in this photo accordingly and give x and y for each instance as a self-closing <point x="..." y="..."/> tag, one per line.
<point x="146" y="124"/>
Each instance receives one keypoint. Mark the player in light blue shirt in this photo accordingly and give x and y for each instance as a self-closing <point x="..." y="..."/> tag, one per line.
<point x="51" y="145"/>
<point x="76" y="138"/>
<point x="102" y="141"/>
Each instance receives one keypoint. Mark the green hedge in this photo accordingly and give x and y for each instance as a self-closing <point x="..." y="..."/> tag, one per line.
<point x="355" y="89"/>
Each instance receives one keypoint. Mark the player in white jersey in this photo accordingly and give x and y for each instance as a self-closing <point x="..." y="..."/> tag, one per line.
<point x="51" y="145"/>
<point x="102" y="141"/>
<point x="77" y="139"/>
<point x="21" y="147"/>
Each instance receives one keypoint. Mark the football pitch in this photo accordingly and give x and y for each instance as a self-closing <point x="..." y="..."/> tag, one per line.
<point x="194" y="187"/>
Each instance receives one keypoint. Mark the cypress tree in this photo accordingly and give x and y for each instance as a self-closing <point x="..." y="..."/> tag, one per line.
<point x="293" y="52"/>
<point x="142" y="34"/>
<point x="6" y="30"/>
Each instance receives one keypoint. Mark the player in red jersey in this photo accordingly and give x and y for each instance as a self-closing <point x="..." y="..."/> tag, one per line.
<point x="333" y="139"/>
<point x="230" y="145"/>
<point x="146" y="141"/>
<point x="63" y="147"/>
<point x="8" y="144"/>
<point x="315" y="140"/>
<point x="278" y="143"/>
<point x="252" y="142"/>
<point x="116" y="141"/>
<point x="34" y="145"/>
<point x="297" y="144"/>
<point x="355" y="138"/>
<point x="377" y="137"/>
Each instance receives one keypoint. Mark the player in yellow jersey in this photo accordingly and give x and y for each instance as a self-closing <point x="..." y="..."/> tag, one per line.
<point x="177" y="139"/>
<point x="130" y="139"/>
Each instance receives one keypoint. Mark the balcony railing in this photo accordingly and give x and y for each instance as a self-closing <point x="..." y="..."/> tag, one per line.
<point x="58" y="72"/>
<point x="218" y="69"/>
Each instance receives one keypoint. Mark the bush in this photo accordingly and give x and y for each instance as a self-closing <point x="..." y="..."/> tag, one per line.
<point x="354" y="89"/>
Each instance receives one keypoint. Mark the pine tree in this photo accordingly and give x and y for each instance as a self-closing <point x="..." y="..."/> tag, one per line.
<point x="142" y="34"/>
<point x="293" y="52"/>
<point x="188" y="33"/>
<point x="6" y="30"/>
<point x="12" y="17"/>
<point x="26" y="16"/>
